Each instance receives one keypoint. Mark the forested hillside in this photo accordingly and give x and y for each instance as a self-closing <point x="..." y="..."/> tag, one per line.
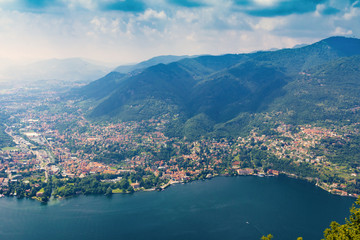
<point x="228" y="95"/>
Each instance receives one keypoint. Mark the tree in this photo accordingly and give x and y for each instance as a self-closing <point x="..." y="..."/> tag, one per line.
<point x="108" y="191"/>
<point x="130" y="189"/>
<point x="124" y="184"/>
<point x="349" y="230"/>
<point x="268" y="237"/>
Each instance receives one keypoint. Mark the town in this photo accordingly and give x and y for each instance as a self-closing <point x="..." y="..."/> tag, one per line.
<point x="58" y="152"/>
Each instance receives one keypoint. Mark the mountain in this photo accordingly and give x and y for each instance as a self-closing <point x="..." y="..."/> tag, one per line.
<point x="100" y="88"/>
<point x="72" y="70"/>
<point x="148" y="63"/>
<point x="247" y="87"/>
<point x="300" y="59"/>
<point x="326" y="92"/>
<point x="156" y="90"/>
<point x="223" y="95"/>
<point x="300" y="45"/>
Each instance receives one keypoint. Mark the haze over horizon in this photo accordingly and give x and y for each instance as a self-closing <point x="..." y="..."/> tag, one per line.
<point x="127" y="31"/>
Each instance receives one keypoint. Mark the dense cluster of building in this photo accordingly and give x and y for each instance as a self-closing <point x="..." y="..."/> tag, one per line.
<point x="59" y="140"/>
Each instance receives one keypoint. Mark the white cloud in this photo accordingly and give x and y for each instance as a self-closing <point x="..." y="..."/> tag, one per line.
<point x="269" y="24"/>
<point x="150" y="14"/>
<point x="341" y="31"/>
<point x="266" y="3"/>
<point x="319" y="9"/>
<point x="6" y="1"/>
<point x="187" y="16"/>
<point x="352" y="13"/>
<point x="86" y="4"/>
<point x="85" y="31"/>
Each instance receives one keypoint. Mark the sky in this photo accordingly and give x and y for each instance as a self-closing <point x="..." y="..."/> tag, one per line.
<point x="127" y="31"/>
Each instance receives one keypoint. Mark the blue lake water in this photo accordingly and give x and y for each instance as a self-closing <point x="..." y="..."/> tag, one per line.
<point x="220" y="208"/>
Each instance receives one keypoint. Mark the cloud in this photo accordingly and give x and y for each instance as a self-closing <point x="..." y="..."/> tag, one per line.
<point x="356" y="4"/>
<point x="188" y="3"/>
<point x="39" y="3"/>
<point x="36" y="6"/>
<point x="125" y="6"/>
<point x="74" y="5"/>
<point x="330" y="11"/>
<point x="340" y="31"/>
<point x="273" y="8"/>
<point x="270" y="24"/>
<point x="255" y="8"/>
<point x="71" y="5"/>
<point x="243" y="2"/>
<point x="351" y="13"/>
<point x="151" y="14"/>
<point x="127" y="31"/>
<point x="326" y="10"/>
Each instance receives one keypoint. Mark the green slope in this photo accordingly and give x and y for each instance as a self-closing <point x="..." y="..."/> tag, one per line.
<point x="222" y="95"/>
<point x="327" y="92"/>
<point x="247" y="87"/>
<point x="157" y="90"/>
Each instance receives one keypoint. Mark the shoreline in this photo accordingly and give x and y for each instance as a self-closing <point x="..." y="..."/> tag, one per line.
<point x="289" y="175"/>
<point x="331" y="191"/>
<point x="171" y="182"/>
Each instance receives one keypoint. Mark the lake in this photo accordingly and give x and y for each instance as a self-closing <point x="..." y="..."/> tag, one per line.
<point x="220" y="208"/>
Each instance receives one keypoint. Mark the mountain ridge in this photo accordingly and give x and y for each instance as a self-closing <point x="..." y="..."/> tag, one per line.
<point x="165" y="59"/>
<point x="212" y="91"/>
